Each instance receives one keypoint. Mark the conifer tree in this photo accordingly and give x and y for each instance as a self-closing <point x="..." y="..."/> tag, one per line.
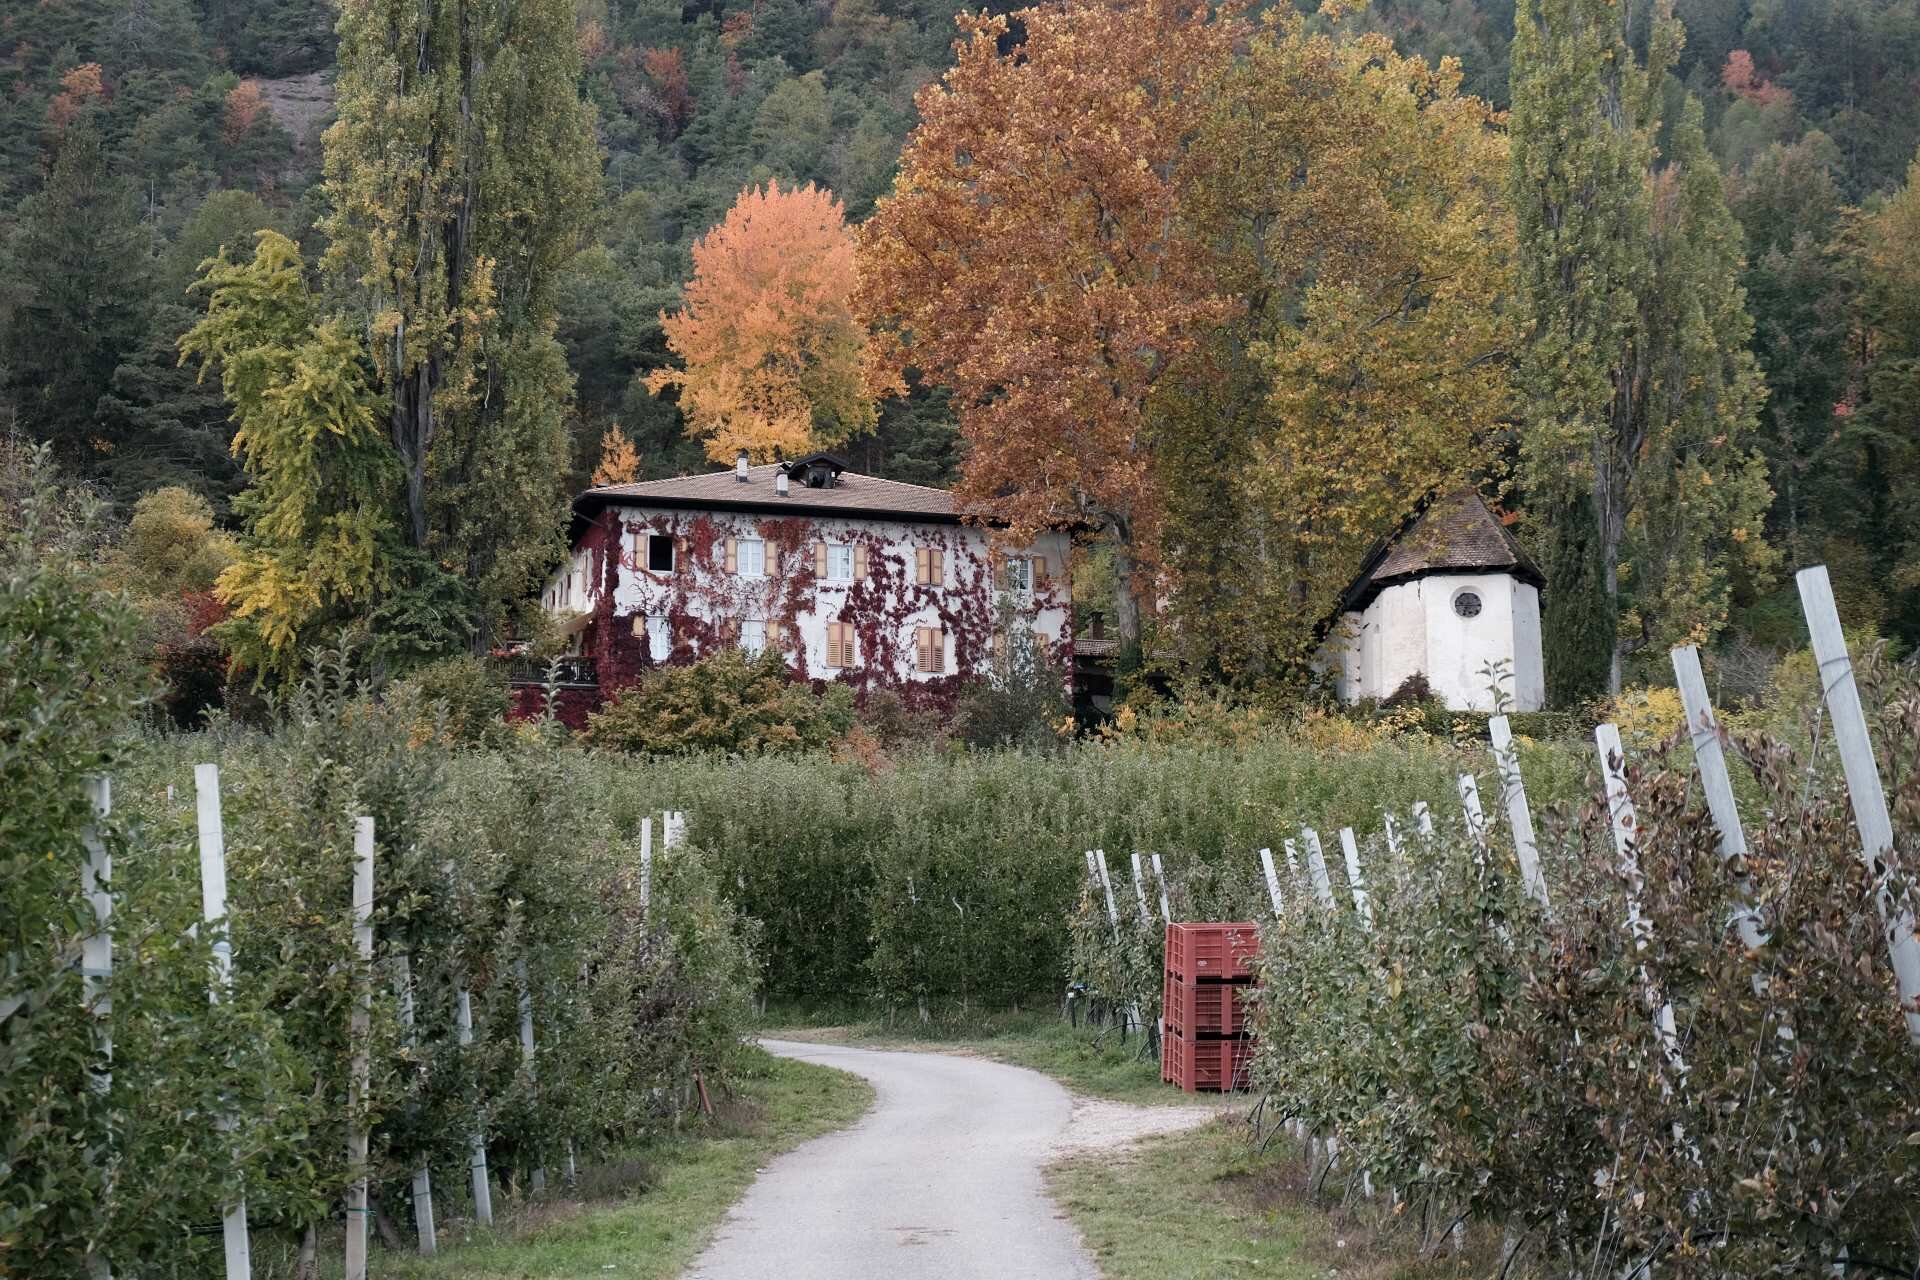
<point x="462" y="174"/>
<point x="77" y="261"/>
<point x="1641" y="397"/>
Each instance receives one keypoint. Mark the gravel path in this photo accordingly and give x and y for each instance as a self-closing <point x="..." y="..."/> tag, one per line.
<point x="940" y="1181"/>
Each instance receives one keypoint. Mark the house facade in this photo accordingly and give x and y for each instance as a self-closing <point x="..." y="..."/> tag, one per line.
<point x="1451" y="596"/>
<point x="849" y="577"/>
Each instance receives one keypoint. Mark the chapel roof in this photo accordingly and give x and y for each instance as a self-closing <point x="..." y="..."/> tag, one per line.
<point x="1451" y="533"/>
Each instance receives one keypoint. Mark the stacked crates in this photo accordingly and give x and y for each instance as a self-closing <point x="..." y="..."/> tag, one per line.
<point x="1206" y="1046"/>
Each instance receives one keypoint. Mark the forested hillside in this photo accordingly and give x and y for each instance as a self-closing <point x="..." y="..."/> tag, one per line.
<point x="138" y="137"/>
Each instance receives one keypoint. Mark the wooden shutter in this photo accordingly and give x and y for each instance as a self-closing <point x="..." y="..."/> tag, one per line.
<point x="859" y="563"/>
<point x="922" y="556"/>
<point x="820" y="560"/>
<point x="773" y="561"/>
<point x="932" y="645"/>
<point x="936" y="567"/>
<point x="999" y="648"/>
<point x="679" y="552"/>
<point x="1039" y="572"/>
<point x="840" y="644"/>
<point x="773" y="633"/>
<point x="733" y="555"/>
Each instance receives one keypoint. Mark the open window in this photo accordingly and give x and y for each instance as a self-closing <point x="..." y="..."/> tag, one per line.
<point x="660" y="553"/>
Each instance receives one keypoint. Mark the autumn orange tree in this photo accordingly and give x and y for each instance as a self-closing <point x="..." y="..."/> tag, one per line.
<point x="1033" y="258"/>
<point x="1228" y="295"/>
<point x="774" y="360"/>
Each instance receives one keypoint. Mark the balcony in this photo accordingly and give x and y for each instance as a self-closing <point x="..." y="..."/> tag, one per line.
<point x="569" y="672"/>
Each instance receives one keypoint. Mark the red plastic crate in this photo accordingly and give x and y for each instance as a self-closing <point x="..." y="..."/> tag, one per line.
<point x="1211" y="952"/>
<point x="1206" y="1066"/>
<point x="1195" y="1009"/>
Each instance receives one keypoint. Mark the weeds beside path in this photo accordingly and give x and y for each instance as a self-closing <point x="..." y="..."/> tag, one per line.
<point x="654" y="1209"/>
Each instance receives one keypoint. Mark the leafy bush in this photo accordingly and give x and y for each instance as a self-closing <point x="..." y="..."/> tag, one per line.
<point x="728" y="702"/>
<point x="1021" y="702"/>
<point x="1479" y="1054"/>
<point x="465" y="699"/>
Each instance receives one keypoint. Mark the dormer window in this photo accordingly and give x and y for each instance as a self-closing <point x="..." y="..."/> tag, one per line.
<point x="816" y="471"/>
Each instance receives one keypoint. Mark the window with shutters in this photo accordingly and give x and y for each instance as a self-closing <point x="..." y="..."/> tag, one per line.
<point x="660" y="552"/>
<point x="751" y="557"/>
<point x="840" y="653"/>
<point x="930" y="645"/>
<point x="839" y="563"/>
<point x="753" y="635"/>
<point x="659" y="636"/>
<point x="1017" y="574"/>
<point x="929" y="567"/>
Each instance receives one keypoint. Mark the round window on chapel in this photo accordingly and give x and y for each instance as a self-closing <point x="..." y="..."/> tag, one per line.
<point x="1467" y="604"/>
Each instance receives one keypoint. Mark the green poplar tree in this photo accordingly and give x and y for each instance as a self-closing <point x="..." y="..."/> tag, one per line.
<point x="1641" y="398"/>
<point x="462" y="174"/>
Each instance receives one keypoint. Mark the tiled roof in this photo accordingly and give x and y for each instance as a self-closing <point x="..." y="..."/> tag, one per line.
<point x="852" y="495"/>
<point x="1451" y="534"/>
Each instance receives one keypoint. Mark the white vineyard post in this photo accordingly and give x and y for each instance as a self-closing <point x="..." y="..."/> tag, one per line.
<point x="1140" y="891"/>
<point x="213" y="909"/>
<point x="422" y="1175"/>
<point x="1106" y="885"/>
<point x="1273" y="880"/>
<point x="1513" y="791"/>
<point x="1620" y="812"/>
<point x="1392" y="831"/>
<point x="1710" y="761"/>
<point x="476" y="1139"/>
<point x="646" y="863"/>
<point x="1863" y="783"/>
<point x="1132" y="1014"/>
<point x="1476" y="817"/>
<point x="360" y="1034"/>
<point x="1423" y="819"/>
<point x="1160" y="878"/>
<point x="538" y="1179"/>
<point x="1317" y="867"/>
<point x="1361" y="906"/>
<point x="96" y="956"/>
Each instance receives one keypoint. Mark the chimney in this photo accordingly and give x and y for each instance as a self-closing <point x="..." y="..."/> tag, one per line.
<point x="780" y="483"/>
<point x="740" y="466"/>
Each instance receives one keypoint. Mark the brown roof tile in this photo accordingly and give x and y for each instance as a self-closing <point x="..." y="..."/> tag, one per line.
<point x="853" y="494"/>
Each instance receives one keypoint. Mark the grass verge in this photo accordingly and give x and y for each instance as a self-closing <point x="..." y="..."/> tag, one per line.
<point x="1080" y="1058"/>
<point x="1198" y="1205"/>
<point x="648" y="1213"/>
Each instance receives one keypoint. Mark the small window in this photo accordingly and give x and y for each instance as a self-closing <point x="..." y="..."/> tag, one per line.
<point x="840" y="645"/>
<point x="839" y="563"/>
<point x="1019" y="575"/>
<point x="751" y="556"/>
<point x="930" y="650"/>
<point x="1467" y="604"/>
<point x="753" y="636"/>
<point x="660" y="552"/>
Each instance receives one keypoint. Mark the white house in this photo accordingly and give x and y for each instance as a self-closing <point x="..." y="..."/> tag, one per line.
<point x="1447" y="597"/>
<point x="851" y="577"/>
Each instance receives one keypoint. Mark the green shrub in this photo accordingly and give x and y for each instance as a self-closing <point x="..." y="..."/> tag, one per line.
<point x="465" y="700"/>
<point x="729" y="702"/>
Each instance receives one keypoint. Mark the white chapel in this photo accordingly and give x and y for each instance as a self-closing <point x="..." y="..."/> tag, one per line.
<point x="1448" y="596"/>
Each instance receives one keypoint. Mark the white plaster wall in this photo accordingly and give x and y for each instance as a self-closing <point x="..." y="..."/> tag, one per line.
<point x="1412" y="627"/>
<point x="717" y="596"/>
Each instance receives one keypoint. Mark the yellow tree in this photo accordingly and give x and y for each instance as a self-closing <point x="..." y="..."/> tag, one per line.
<point x="1354" y="201"/>
<point x="774" y="360"/>
<point x="619" y="461"/>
